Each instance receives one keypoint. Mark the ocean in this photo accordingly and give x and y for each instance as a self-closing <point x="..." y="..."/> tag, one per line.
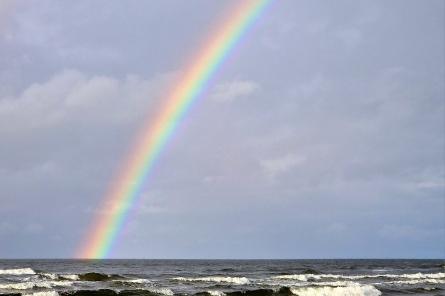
<point x="222" y="277"/>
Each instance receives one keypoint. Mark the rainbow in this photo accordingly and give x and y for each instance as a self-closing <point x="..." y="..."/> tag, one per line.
<point x="125" y="190"/>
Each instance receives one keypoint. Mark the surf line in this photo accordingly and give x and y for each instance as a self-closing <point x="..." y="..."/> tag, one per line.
<point x="124" y="190"/>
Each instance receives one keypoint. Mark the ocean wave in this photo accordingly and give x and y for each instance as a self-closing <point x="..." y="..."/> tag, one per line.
<point x="17" y="271"/>
<point x="415" y="282"/>
<point x="382" y="270"/>
<point x="258" y="292"/>
<point x="439" y="275"/>
<point x="216" y="279"/>
<point x="132" y="283"/>
<point x="351" y="290"/>
<point x="309" y="277"/>
<point x="32" y="285"/>
<point x="216" y="293"/>
<point x="109" y="292"/>
<point x="99" y="292"/>
<point x="162" y="291"/>
<point x="53" y="276"/>
<point x="72" y="277"/>
<point x="332" y="284"/>
<point x="44" y="293"/>
<point x="415" y="290"/>
<point x="18" y="286"/>
<point x="135" y="281"/>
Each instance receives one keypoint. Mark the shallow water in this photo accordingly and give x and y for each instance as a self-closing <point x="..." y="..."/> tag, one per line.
<point x="223" y="277"/>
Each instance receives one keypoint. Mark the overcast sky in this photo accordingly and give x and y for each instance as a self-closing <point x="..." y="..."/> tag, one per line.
<point x="321" y="136"/>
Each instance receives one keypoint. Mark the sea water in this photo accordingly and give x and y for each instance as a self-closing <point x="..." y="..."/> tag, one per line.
<point x="223" y="277"/>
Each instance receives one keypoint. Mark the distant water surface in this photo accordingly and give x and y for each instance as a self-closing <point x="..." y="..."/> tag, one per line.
<point x="223" y="277"/>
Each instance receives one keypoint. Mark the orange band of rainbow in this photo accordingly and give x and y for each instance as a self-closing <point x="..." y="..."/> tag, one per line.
<point x="125" y="190"/>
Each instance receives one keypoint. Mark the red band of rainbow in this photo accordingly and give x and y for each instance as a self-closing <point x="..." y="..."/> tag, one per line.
<point x="125" y="190"/>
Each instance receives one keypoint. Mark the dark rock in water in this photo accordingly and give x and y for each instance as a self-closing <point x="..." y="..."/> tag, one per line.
<point x="10" y="294"/>
<point x="137" y="292"/>
<point x="101" y="292"/>
<point x="202" y="294"/>
<point x="94" y="276"/>
<point x="97" y="277"/>
<point x="235" y="293"/>
<point x="259" y="292"/>
<point x="284" y="291"/>
<point x="228" y="269"/>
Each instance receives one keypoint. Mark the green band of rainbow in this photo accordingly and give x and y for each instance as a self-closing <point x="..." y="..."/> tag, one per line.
<point x="125" y="190"/>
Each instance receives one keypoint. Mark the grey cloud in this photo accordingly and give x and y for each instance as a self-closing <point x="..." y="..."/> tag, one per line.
<point x="321" y="136"/>
<point x="230" y="91"/>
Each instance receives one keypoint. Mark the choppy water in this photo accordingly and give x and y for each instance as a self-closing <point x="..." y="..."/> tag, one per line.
<point x="223" y="277"/>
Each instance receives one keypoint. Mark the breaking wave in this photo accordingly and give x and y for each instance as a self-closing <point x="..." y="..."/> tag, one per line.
<point x="32" y="285"/>
<point x="162" y="291"/>
<point x="216" y="293"/>
<point x="45" y="293"/>
<point x="216" y="279"/>
<point x="351" y="290"/>
<point x="309" y="277"/>
<point x="134" y="281"/>
<point x="108" y="292"/>
<point x="348" y="290"/>
<point x="17" y="271"/>
<point x="416" y="282"/>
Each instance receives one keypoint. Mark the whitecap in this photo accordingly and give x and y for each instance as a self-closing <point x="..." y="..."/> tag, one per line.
<point x="31" y="285"/>
<point x="163" y="291"/>
<point x="217" y="279"/>
<point x="136" y="281"/>
<point x="307" y="277"/>
<point x="17" y="271"/>
<point x="414" y="282"/>
<point x="45" y="293"/>
<point x="18" y="286"/>
<point x="50" y="275"/>
<point x="72" y="277"/>
<point x="216" y="293"/>
<point x="351" y="290"/>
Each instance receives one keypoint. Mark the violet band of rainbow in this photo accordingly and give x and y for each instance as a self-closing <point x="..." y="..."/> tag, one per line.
<point x="125" y="190"/>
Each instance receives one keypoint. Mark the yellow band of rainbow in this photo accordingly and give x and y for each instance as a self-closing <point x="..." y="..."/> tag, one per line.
<point x="125" y="190"/>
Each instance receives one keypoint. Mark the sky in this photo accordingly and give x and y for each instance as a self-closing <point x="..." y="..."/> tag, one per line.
<point x="321" y="136"/>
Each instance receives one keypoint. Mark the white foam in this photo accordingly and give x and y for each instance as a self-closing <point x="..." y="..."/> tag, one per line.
<point x="46" y="293"/>
<point x="307" y="277"/>
<point x="415" y="282"/>
<point x="50" y="276"/>
<point x="17" y="271"/>
<point x="163" y="291"/>
<point x="298" y="277"/>
<point x="333" y="284"/>
<point x="139" y="281"/>
<point x="217" y="279"/>
<point x="351" y="290"/>
<point x="72" y="277"/>
<point x="308" y="284"/>
<point x="439" y="275"/>
<point x="31" y="285"/>
<point x="136" y="281"/>
<point x="381" y="270"/>
<point x="18" y="286"/>
<point x="60" y="283"/>
<point x="216" y="293"/>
